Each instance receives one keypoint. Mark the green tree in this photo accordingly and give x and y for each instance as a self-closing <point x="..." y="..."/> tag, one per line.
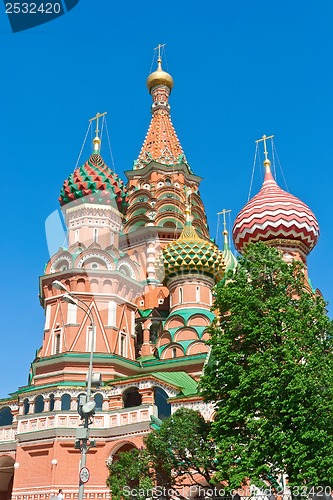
<point x="129" y="471"/>
<point x="180" y="452"/>
<point x="270" y="374"/>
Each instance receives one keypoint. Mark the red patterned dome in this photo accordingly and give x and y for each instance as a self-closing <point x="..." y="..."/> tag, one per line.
<point x="274" y="214"/>
<point x="94" y="182"/>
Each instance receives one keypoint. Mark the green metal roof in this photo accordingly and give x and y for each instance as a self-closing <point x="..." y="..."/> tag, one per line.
<point x="179" y="379"/>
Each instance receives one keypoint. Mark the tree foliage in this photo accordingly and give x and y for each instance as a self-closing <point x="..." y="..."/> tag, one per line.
<point x="271" y="374"/>
<point x="179" y="453"/>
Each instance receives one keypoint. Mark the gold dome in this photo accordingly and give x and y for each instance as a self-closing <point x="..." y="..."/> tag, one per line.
<point x="159" y="77"/>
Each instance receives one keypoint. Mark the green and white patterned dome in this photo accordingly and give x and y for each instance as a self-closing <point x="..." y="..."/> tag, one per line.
<point x="191" y="254"/>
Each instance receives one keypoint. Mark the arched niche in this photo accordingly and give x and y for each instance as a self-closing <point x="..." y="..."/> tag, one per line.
<point x="197" y="348"/>
<point x="174" y="322"/>
<point x="198" y="320"/>
<point x="66" y="402"/>
<point x="174" y="351"/>
<point x="39" y="404"/>
<point x="161" y="401"/>
<point x="131" y="397"/>
<point x="98" y="398"/>
<point x="6" y="416"/>
<point x="186" y="334"/>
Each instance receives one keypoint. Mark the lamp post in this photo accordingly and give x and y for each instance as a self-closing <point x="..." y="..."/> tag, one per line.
<point x="86" y="407"/>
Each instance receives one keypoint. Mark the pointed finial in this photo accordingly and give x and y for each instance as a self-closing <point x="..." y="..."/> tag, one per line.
<point x="225" y="231"/>
<point x="97" y="140"/>
<point x="267" y="163"/>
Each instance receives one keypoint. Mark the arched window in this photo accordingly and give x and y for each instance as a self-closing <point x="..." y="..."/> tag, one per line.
<point x="65" y="402"/>
<point x="174" y="352"/>
<point x="181" y="296"/>
<point x="51" y="402"/>
<point x="197" y="294"/>
<point x="99" y="402"/>
<point x="139" y="339"/>
<point x="6" y="417"/>
<point x="57" y="340"/>
<point x="95" y="234"/>
<point x="26" y="406"/>
<point x="132" y="397"/>
<point x="39" y="404"/>
<point x="122" y="347"/>
<point x="154" y="331"/>
<point x="168" y="181"/>
<point x="163" y="407"/>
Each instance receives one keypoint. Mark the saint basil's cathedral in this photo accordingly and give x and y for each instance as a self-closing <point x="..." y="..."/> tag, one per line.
<point x="133" y="286"/>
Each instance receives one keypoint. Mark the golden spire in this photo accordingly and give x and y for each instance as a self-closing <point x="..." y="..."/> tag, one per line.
<point x="188" y="231"/>
<point x="267" y="163"/>
<point x="188" y="206"/>
<point x="97" y="140"/>
<point x="159" y="77"/>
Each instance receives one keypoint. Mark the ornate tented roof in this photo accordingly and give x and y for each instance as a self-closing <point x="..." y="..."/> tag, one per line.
<point x="94" y="182"/>
<point x="274" y="214"/>
<point x="191" y="254"/>
<point x="161" y="143"/>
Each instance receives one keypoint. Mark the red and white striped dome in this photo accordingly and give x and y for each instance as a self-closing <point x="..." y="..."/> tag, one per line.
<point x="274" y="214"/>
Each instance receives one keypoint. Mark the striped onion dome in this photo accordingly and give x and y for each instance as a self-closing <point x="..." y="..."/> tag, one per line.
<point x="191" y="254"/>
<point x="274" y="215"/>
<point x="94" y="182"/>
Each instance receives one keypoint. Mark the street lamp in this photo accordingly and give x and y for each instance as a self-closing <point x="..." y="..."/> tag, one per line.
<point x="86" y="407"/>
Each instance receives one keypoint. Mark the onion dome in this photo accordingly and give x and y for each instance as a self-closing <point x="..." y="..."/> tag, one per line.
<point x="191" y="254"/>
<point x="275" y="216"/>
<point x="94" y="182"/>
<point x="159" y="77"/>
<point x="228" y="257"/>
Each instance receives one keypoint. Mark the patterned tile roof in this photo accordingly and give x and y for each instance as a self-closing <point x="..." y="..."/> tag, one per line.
<point x="274" y="214"/>
<point x="94" y="182"/>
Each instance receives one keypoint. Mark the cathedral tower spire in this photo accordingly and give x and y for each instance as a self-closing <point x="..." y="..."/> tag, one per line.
<point x="161" y="143"/>
<point x="161" y="172"/>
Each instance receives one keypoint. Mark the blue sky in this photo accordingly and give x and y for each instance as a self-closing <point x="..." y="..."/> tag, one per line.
<point x="241" y="69"/>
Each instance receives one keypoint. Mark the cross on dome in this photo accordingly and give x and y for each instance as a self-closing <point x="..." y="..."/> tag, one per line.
<point x="97" y="140"/>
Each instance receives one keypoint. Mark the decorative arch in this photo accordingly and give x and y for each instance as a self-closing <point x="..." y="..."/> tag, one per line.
<point x="186" y="334"/>
<point x="174" y="322"/>
<point x="93" y="257"/>
<point x="61" y="263"/>
<point x="198" y="320"/>
<point x="173" y="351"/>
<point x="165" y="339"/>
<point x="197" y="348"/>
<point x="126" y="268"/>
<point x="121" y="447"/>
